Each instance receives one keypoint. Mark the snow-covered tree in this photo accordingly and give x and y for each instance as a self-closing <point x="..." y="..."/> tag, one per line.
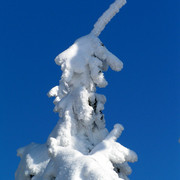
<point x="80" y="147"/>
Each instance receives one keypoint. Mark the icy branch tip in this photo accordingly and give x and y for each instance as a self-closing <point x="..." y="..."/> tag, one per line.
<point x="107" y="16"/>
<point x="115" y="133"/>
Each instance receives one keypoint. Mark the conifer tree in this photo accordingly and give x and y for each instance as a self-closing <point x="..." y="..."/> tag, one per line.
<point x="80" y="147"/>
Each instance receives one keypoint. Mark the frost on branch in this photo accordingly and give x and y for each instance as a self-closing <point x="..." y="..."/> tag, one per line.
<point x="107" y="16"/>
<point x="80" y="147"/>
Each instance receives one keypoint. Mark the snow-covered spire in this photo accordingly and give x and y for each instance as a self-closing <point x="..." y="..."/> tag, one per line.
<point x="79" y="107"/>
<point x="80" y="147"/>
<point x="107" y="16"/>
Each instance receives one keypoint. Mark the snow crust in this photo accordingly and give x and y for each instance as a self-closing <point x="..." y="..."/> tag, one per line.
<point x="80" y="147"/>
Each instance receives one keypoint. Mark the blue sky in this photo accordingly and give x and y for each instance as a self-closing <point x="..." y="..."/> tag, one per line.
<point x="144" y="96"/>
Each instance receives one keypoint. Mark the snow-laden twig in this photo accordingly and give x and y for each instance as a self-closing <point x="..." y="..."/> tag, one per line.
<point x="107" y="16"/>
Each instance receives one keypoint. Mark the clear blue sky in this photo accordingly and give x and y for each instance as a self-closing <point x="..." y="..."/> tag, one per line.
<point x="144" y="96"/>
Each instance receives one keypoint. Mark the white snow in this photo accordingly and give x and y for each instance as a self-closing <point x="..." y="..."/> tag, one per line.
<point x="107" y="16"/>
<point x="107" y="160"/>
<point x="87" y="54"/>
<point x="80" y="147"/>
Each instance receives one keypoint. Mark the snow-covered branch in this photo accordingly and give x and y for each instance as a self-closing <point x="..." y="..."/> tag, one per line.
<point x="107" y="16"/>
